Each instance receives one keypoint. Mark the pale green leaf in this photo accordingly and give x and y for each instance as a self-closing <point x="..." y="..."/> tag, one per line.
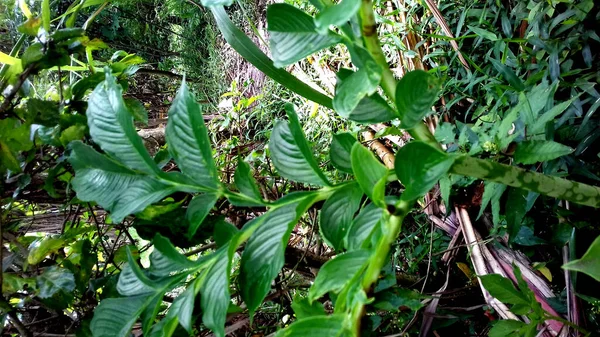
<point x="293" y="35"/>
<point x="303" y="308"/>
<point x="291" y="153"/>
<point x="419" y="166"/>
<point x="337" y="213"/>
<point x="39" y="249"/>
<point x="533" y="151"/>
<point x="335" y="273"/>
<point x="111" y="127"/>
<point x="336" y="15"/>
<point x="330" y="326"/>
<point x="589" y="262"/>
<point x="188" y="139"/>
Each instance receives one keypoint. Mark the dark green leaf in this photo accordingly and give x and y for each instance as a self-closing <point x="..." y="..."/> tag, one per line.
<point x="334" y="274"/>
<point x="509" y="75"/>
<point x="98" y="177"/>
<point x="372" y="109"/>
<point x="588" y="264"/>
<point x="419" y="166"/>
<point x="165" y="259"/>
<point x="351" y="88"/>
<point x="368" y="172"/>
<point x="339" y="152"/>
<point x="251" y="53"/>
<point x="533" y="151"/>
<point x="114" y="317"/>
<point x="516" y="203"/>
<point x="337" y="213"/>
<point x="198" y="209"/>
<point x="415" y="94"/>
<point x="492" y="192"/>
<point x="264" y="254"/>
<point x="303" y="308"/>
<point x="188" y="139"/>
<point x="396" y="298"/>
<point x="246" y="184"/>
<point x="54" y="280"/>
<point x="503" y="289"/>
<point x="336" y="15"/>
<point x="111" y="127"/>
<point x="291" y="153"/>
<point x="483" y="33"/>
<point x="215" y="293"/>
<point x="293" y="34"/>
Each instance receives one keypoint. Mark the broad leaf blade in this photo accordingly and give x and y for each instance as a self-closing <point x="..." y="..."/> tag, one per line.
<point x="337" y="212"/>
<point x="215" y="293"/>
<point x="339" y="152"/>
<point x="335" y="273"/>
<point x="503" y="289"/>
<point x="246" y="184"/>
<point x="363" y="225"/>
<point x="98" y="177"/>
<point x="293" y="34"/>
<point x="54" y="280"/>
<point x="165" y="259"/>
<point x="251" y="53"/>
<point x="111" y="127"/>
<point x="588" y="264"/>
<point x="198" y="209"/>
<point x="533" y="151"/>
<point x="331" y="326"/>
<point x="415" y="94"/>
<point x="368" y="172"/>
<point x="419" y="166"/>
<point x="114" y="317"/>
<point x="336" y="15"/>
<point x="291" y="153"/>
<point x="188" y="139"/>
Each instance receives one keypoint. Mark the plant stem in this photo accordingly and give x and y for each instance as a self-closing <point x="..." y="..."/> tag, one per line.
<point x="556" y="187"/>
<point x="388" y="81"/>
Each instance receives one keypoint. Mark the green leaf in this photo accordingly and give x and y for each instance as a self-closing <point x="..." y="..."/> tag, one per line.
<point x="137" y="110"/>
<point x="340" y="149"/>
<point x="293" y="35"/>
<point x="508" y="74"/>
<point x="368" y="172"/>
<point x="111" y="127"/>
<point x="507" y="328"/>
<point x="335" y="273"/>
<point x="331" y="326"/>
<point x="588" y="264"/>
<point x="183" y="306"/>
<point x="291" y="153"/>
<point x="492" y="192"/>
<point x="54" y="280"/>
<point x="372" y="109"/>
<point x="363" y="226"/>
<point x="215" y="297"/>
<point x="548" y="116"/>
<point x="336" y="15"/>
<point x="114" y="317"/>
<point x="188" y="139"/>
<point x="503" y="289"/>
<point x="211" y="3"/>
<point x="39" y="249"/>
<point x="246" y="184"/>
<point x="533" y="151"/>
<point x="419" y="166"/>
<point x="337" y="213"/>
<point x="264" y="254"/>
<point x="46" y="15"/>
<point x="198" y="209"/>
<point x="251" y="53"/>
<point x="303" y="308"/>
<point x="415" y="94"/>
<point x="483" y="33"/>
<point x="165" y="259"/>
<point x="515" y="202"/>
<point x="352" y="87"/>
<point x="393" y="299"/>
<point x="98" y="177"/>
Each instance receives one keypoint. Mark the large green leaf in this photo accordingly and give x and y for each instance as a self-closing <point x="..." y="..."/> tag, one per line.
<point x="97" y="178"/>
<point x="336" y="15"/>
<point x="352" y="87"/>
<point x="215" y="293"/>
<point x="114" y="317"/>
<point x="339" y="152"/>
<point x="330" y="326"/>
<point x="188" y="139"/>
<point x="337" y="213"/>
<point x="251" y="53"/>
<point x="54" y="280"/>
<point x="165" y="259"/>
<point x="291" y="153"/>
<point x="362" y="226"/>
<point x="334" y="274"/>
<point x="369" y="172"/>
<point x="533" y="151"/>
<point x="372" y="109"/>
<point x="111" y="127"/>
<point x="419" y="166"/>
<point x="293" y="35"/>
<point x="264" y="254"/>
<point x="588" y="264"/>
<point x="503" y="289"/>
<point x="246" y="184"/>
<point x="415" y="94"/>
